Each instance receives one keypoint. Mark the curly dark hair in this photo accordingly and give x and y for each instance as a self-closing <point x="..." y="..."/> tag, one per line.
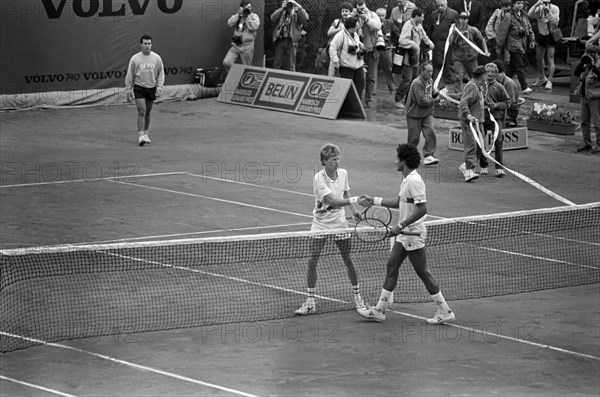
<point x="410" y="155"/>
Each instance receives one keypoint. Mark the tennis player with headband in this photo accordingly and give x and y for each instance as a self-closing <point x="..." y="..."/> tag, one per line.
<point x="412" y="204"/>
<point x="331" y="190"/>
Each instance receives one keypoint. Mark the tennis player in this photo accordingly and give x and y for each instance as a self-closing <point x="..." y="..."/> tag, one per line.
<point x="413" y="210"/>
<point x="331" y="190"/>
<point x="144" y="81"/>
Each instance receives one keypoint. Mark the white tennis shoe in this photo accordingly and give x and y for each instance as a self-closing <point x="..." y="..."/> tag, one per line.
<point x="370" y="313"/>
<point x="441" y="318"/>
<point x="143" y="139"/>
<point x="306" y="308"/>
<point x="430" y="160"/>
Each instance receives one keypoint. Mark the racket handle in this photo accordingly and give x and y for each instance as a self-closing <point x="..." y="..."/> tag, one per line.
<point x="410" y="233"/>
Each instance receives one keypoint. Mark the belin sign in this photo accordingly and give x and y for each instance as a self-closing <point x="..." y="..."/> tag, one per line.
<point x="107" y="8"/>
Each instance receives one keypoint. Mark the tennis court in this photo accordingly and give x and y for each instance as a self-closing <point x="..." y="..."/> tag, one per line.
<point x="77" y="177"/>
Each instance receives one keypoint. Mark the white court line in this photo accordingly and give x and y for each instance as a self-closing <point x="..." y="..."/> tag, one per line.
<point x="249" y="184"/>
<point x="484" y="333"/>
<point x="91" y="180"/>
<point x="36" y="386"/>
<point x="530" y="256"/>
<point x="213" y="198"/>
<point x="191" y="233"/>
<point x="142" y="368"/>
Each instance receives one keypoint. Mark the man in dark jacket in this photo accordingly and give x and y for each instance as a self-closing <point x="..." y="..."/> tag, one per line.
<point x="513" y="34"/>
<point x="437" y="28"/>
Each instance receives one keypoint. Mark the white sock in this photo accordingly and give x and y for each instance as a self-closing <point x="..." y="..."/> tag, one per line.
<point x="440" y="303"/>
<point x="356" y="289"/>
<point x="140" y="133"/>
<point x="311" y="295"/>
<point x="145" y="132"/>
<point x="383" y="300"/>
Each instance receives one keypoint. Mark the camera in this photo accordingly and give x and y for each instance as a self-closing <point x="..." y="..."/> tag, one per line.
<point x="586" y="59"/>
<point x="522" y="32"/>
<point x="246" y="11"/>
<point x="237" y="40"/>
<point x="352" y="50"/>
<point x="290" y="5"/>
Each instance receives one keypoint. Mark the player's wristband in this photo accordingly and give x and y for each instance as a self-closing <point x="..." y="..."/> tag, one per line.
<point x="353" y="200"/>
<point x="377" y="201"/>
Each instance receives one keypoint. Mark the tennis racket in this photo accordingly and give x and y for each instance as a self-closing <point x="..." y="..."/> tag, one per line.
<point x="374" y="225"/>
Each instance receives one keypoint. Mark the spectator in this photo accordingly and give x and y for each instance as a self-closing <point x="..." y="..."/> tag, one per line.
<point x="512" y="113"/>
<point x="496" y="102"/>
<point x="371" y="26"/>
<point x="491" y="29"/>
<point x="513" y="34"/>
<point x="242" y="47"/>
<point x="463" y="55"/>
<point x="346" y="53"/>
<point x="547" y="16"/>
<point x="289" y="18"/>
<point x="437" y="28"/>
<point x="402" y="12"/>
<point x="323" y="61"/>
<point x="470" y="110"/>
<point x="410" y="39"/>
<point x="473" y="8"/>
<point x="419" y="113"/>
<point x="390" y="33"/>
<point x="589" y="89"/>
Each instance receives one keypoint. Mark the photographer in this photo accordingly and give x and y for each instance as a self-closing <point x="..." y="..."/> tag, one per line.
<point x="346" y="53"/>
<point x="588" y="72"/>
<point x="513" y="34"/>
<point x="371" y="26"/>
<point x="547" y="16"/>
<point x="246" y="25"/>
<point x="289" y="17"/>
<point x="410" y="39"/>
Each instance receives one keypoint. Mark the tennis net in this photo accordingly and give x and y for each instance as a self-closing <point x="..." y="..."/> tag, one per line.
<point x="68" y="292"/>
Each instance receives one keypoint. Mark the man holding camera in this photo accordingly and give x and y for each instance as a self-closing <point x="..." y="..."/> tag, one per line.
<point x="371" y="26"/>
<point x="513" y="34"/>
<point x="246" y="25"/>
<point x="410" y="39"/>
<point x="547" y="16"/>
<point x="346" y="54"/>
<point x="289" y="18"/>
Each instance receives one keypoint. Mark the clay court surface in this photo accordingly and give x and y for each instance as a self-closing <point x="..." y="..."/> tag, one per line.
<point x="77" y="176"/>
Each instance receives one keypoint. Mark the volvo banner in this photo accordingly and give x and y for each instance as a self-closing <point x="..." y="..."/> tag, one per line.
<point x="68" y="45"/>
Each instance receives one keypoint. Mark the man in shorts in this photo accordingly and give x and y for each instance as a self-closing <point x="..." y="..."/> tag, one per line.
<point x="144" y="81"/>
<point x="331" y="189"/>
<point x="547" y="16"/>
<point x="412" y="205"/>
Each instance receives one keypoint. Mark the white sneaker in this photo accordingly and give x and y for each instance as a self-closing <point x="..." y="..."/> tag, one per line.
<point x="358" y="301"/>
<point x="370" y="313"/>
<point x="470" y="176"/>
<point x="527" y="90"/>
<point x="548" y="85"/>
<point x="463" y="168"/>
<point x="484" y="171"/>
<point x="306" y="308"/>
<point x="441" y="318"/>
<point x="430" y="160"/>
<point x="399" y="105"/>
<point x="500" y="173"/>
<point x="141" y="140"/>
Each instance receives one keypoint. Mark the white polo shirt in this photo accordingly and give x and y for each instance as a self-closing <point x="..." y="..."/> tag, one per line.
<point x="325" y="218"/>
<point x="412" y="192"/>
